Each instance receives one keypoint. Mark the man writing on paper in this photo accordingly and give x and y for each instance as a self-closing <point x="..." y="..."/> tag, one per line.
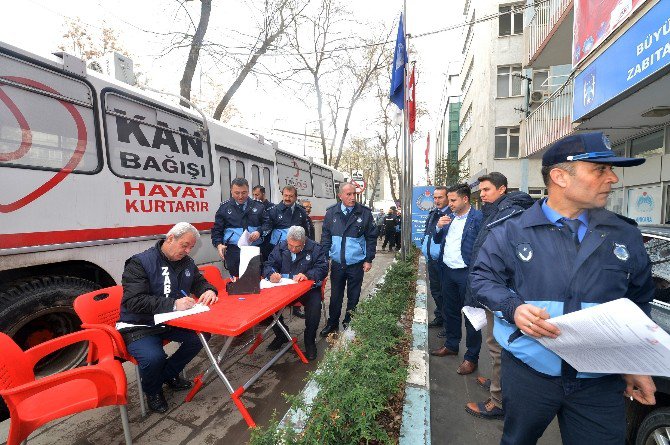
<point x="301" y="259"/>
<point x="158" y="280"/>
<point x="563" y="254"/>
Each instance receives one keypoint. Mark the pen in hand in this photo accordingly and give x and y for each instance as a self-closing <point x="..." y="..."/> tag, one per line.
<point x="184" y="303"/>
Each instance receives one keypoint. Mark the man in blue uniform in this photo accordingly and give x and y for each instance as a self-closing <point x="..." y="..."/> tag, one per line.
<point x="158" y="280"/>
<point x="563" y="254"/>
<point x="284" y="215"/>
<point x="456" y="234"/>
<point x="431" y="250"/>
<point x="350" y="236"/>
<point x="234" y="216"/>
<point x="258" y="193"/>
<point x="300" y="258"/>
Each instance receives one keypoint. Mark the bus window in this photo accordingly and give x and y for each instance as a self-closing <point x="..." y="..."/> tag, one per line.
<point x="255" y="176"/>
<point x="239" y="169"/>
<point x="266" y="183"/>
<point x="294" y="171"/>
<point x="46" y="132"/>
<point x="224" y="166"/>
<point x="322" y="180"/>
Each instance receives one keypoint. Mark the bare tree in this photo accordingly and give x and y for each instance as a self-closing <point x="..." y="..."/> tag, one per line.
<point x="366" y="156"/>
<point x="90" y="45"/>
<point x="194" y="52"/>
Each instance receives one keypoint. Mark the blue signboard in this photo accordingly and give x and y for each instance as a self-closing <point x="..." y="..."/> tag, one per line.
<point x="640" y="52"/>
<point x="422" y="204"/>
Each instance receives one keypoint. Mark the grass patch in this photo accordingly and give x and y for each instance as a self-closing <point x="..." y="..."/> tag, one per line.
<point x="361" y="384"/>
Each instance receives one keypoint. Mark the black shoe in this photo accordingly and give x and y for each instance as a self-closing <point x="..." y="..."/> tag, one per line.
<point x="328" y="329"/>
<point x="436" y="323"/>
<point x="345" y="324"/>
<point x="179" y="384"/>
<point x="298" y="312"/>
<point x="277" y="343"/>
<point x="157" y="403"/>
<point x="310" y="351"/>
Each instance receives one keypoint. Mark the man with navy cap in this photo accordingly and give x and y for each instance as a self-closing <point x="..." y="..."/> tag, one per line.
<point x="563" y="254"/>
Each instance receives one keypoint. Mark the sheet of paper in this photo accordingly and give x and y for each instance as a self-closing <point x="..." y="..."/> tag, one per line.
<point x="266" y="284"/>
<point x="246" y="254"/>
<point x="476" y="315"/>
<point x="244" y="240"/>
<point x="614" y="337"/>
<point x="167" y="316"/>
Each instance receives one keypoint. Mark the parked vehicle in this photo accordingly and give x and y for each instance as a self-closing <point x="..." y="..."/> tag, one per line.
<point x="650" y="425"/>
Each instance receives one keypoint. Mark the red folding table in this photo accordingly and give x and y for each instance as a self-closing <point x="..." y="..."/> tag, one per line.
<point x="233" y="315"/>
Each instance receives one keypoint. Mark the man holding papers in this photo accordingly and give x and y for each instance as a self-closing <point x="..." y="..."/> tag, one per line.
<point x="301" y="259"/>
<point x="158" y="280"/>
<point x="563" y="254"/>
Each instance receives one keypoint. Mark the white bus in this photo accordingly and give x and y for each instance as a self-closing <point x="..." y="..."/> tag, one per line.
<point x="93" y="170"/>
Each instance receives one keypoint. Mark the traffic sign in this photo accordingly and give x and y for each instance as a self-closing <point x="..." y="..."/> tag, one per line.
<point x="359" y="184"/>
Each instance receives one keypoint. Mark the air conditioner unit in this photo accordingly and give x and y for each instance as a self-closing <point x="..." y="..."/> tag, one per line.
<point x="538" y="96"/>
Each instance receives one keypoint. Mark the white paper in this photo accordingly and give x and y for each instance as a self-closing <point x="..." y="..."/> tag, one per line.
<point x="167" y="316"/>
<point x="244" y="240"/>
<point x="246" y="254"/>
<point x="614" y="338"/>
<point x="266" y="284"/>
<point x="476" y="315"/>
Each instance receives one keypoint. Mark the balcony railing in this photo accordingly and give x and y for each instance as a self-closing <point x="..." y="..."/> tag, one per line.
<point x="551" y="120"/>
<point x="545" y="15"/>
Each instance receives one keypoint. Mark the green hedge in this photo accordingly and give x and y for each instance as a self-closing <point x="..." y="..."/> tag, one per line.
<point x="356" y="381"/>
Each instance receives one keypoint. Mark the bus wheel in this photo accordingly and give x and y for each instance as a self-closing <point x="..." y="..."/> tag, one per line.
<point x="39" y="309"/>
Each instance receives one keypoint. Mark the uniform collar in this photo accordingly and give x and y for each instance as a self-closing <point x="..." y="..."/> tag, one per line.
<point x="554" y="217"/>
<point x="343" y="207"/>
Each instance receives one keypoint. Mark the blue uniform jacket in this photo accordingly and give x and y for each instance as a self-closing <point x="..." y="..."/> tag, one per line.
<point x="472" y="225"/>
<point x="349" y="241"/>
<point x="312" y="261"/>
<point x="230" y="222"/>
<point x="427" y="243"/>
<point x="528" y="259"/>
<point x="278" y="219"/>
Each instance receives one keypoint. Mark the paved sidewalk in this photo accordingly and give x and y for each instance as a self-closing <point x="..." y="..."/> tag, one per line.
<point x="211" y="417"/>
<point x="449" y="392"/>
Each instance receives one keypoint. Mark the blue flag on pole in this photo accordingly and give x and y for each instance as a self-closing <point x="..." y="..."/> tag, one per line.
<point x="397" y="95"/>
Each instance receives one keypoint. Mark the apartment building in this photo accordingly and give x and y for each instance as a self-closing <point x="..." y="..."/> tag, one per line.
<point x="614" y="66"/>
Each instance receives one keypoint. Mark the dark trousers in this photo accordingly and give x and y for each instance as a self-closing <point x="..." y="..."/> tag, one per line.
<point x="454" y="282"/>
<point x="231" y="260"/>
<point x="312" y="303"/>
<point x="340" y="276"/>
<point x="397" y="240"/>
<point x="590" y="411"/>
<point x="433" y="268"/>
<point x="155" y="366"/>
<point x="389" y="239"/>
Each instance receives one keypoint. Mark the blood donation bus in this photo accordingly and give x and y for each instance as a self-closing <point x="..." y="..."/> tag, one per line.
<point x="93" y="170"/>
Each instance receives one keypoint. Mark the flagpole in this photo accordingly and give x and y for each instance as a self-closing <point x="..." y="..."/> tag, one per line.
<point x="406" y="213"/>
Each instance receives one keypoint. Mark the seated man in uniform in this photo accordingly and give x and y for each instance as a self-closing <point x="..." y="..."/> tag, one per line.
<point x="301" y="259"/>
<point x="161" y="279"/>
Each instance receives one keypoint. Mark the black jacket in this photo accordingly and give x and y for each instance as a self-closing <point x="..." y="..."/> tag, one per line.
<point x="507" y="206"/>
<point x="139" y="303"/>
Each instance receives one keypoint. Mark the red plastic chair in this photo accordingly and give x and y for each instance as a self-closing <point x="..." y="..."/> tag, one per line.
<point x="213" y="275"/>
<point x="100" y="309"/>
<point x="33" y="403"/>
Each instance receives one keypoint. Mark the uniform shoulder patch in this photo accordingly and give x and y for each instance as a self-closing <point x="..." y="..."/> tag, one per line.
<point x="225" y="202"/>
<point x="630" y="221"/>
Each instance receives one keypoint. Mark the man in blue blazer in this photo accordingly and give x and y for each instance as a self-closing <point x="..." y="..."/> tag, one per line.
<point x="456" y="233"/>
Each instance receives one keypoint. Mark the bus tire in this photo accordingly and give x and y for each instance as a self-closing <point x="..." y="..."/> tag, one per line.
<point x="38" y="309"/>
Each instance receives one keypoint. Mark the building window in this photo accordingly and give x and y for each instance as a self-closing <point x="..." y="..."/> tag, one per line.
<point x="509" y="81"/>
<point x="648" y="145"/>
<point x="467" y="80"/>
<point x="506" y="142"/>
<point x="510" y="21"/>
<point x="466" y="123"/>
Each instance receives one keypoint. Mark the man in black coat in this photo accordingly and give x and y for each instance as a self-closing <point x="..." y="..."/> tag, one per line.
<point x="498" y="206"/>
<point x="258" y="193"/>
<point x="390" y="222"/>
<point x="301" y="259"/>
<point x="158" y="280"/>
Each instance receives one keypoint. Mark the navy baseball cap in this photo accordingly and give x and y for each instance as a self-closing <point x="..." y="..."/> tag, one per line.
<point x="588" y="147"/>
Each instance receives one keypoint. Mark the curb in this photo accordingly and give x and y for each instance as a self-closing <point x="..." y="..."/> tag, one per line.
<point x="415" y="427"/>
